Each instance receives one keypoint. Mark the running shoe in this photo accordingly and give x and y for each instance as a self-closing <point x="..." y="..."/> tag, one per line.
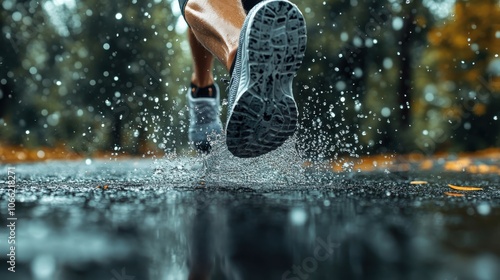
<point x="204" y="119"/>
<point x="262" y="113"/>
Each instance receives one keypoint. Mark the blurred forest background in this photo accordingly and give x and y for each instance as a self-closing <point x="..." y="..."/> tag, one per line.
<point x="379" y="76"/>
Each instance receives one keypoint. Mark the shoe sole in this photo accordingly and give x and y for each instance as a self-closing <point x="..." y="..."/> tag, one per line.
<point x="264" y="113"/>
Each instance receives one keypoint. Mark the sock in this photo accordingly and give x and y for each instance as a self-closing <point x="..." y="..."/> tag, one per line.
<point x="203" y="92"/>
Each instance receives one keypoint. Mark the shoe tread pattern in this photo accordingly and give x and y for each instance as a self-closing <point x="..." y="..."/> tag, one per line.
<point x="265" y="114"/>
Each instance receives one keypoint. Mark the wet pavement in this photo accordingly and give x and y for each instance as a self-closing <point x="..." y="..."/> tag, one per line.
<point x="184" y="218"/>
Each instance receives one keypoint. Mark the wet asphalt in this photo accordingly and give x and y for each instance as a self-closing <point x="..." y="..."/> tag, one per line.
<point x="185" y="218"/>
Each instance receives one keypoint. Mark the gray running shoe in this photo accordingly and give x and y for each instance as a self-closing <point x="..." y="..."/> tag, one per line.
<point x="204" y="117"/>
<point x="262" y="113"/>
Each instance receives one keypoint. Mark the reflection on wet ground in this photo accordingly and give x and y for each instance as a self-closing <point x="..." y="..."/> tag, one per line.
<point x="346" y="226"/>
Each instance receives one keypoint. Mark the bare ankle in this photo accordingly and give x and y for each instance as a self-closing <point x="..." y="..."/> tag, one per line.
<point x="231" y="58"/>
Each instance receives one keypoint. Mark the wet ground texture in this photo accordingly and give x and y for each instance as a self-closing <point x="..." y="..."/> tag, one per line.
<point x="140" y="219"/>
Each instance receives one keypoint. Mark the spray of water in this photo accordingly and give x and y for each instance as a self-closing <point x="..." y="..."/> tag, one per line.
<point x="305" y="159"/>
<point x="284" y="167"/>
<point x="220" y="168"/>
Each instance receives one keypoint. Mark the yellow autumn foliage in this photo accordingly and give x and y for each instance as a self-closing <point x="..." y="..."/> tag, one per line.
<point x="468" y="41"/>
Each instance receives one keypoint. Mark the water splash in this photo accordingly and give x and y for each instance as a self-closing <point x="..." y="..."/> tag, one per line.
<point x="283" y="167"/>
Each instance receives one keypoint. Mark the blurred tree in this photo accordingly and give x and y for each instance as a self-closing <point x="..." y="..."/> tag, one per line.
<point x="465" y="49"/>
<point x="357" y="92"/>
<point x="24" y="54"/>
<point x="468" y="42"/>
<point x="92" y="75"/>
<point x="8" y="60"/>
<point x="130" y="51"/>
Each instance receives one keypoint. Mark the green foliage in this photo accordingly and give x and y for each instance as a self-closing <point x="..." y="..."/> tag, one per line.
<point x="359" y="75"/>
<point x="93" y="76"/>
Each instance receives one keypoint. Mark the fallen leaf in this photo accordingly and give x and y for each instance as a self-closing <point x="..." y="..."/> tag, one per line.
<point x="418" y="182"/>
<point x="459" y="188"/>
<point x="453" y="194"/>
<point x="105" y="187"/>
<point x="98" y="187"/>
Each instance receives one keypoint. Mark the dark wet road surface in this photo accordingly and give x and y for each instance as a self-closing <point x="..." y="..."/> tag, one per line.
<point x="170" y="220"/>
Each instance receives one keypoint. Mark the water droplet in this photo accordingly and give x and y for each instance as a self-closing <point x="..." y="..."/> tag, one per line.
<point x="397" y="23"/>
<point x="386" y="112"/>
<point x="484" y="208"/>
<point x="298" y="216"/>
<point x="43" y="266"/>
<point x="344" y="36"/>
<point x="387" y="63"/>
<point x="40" y="154"/>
